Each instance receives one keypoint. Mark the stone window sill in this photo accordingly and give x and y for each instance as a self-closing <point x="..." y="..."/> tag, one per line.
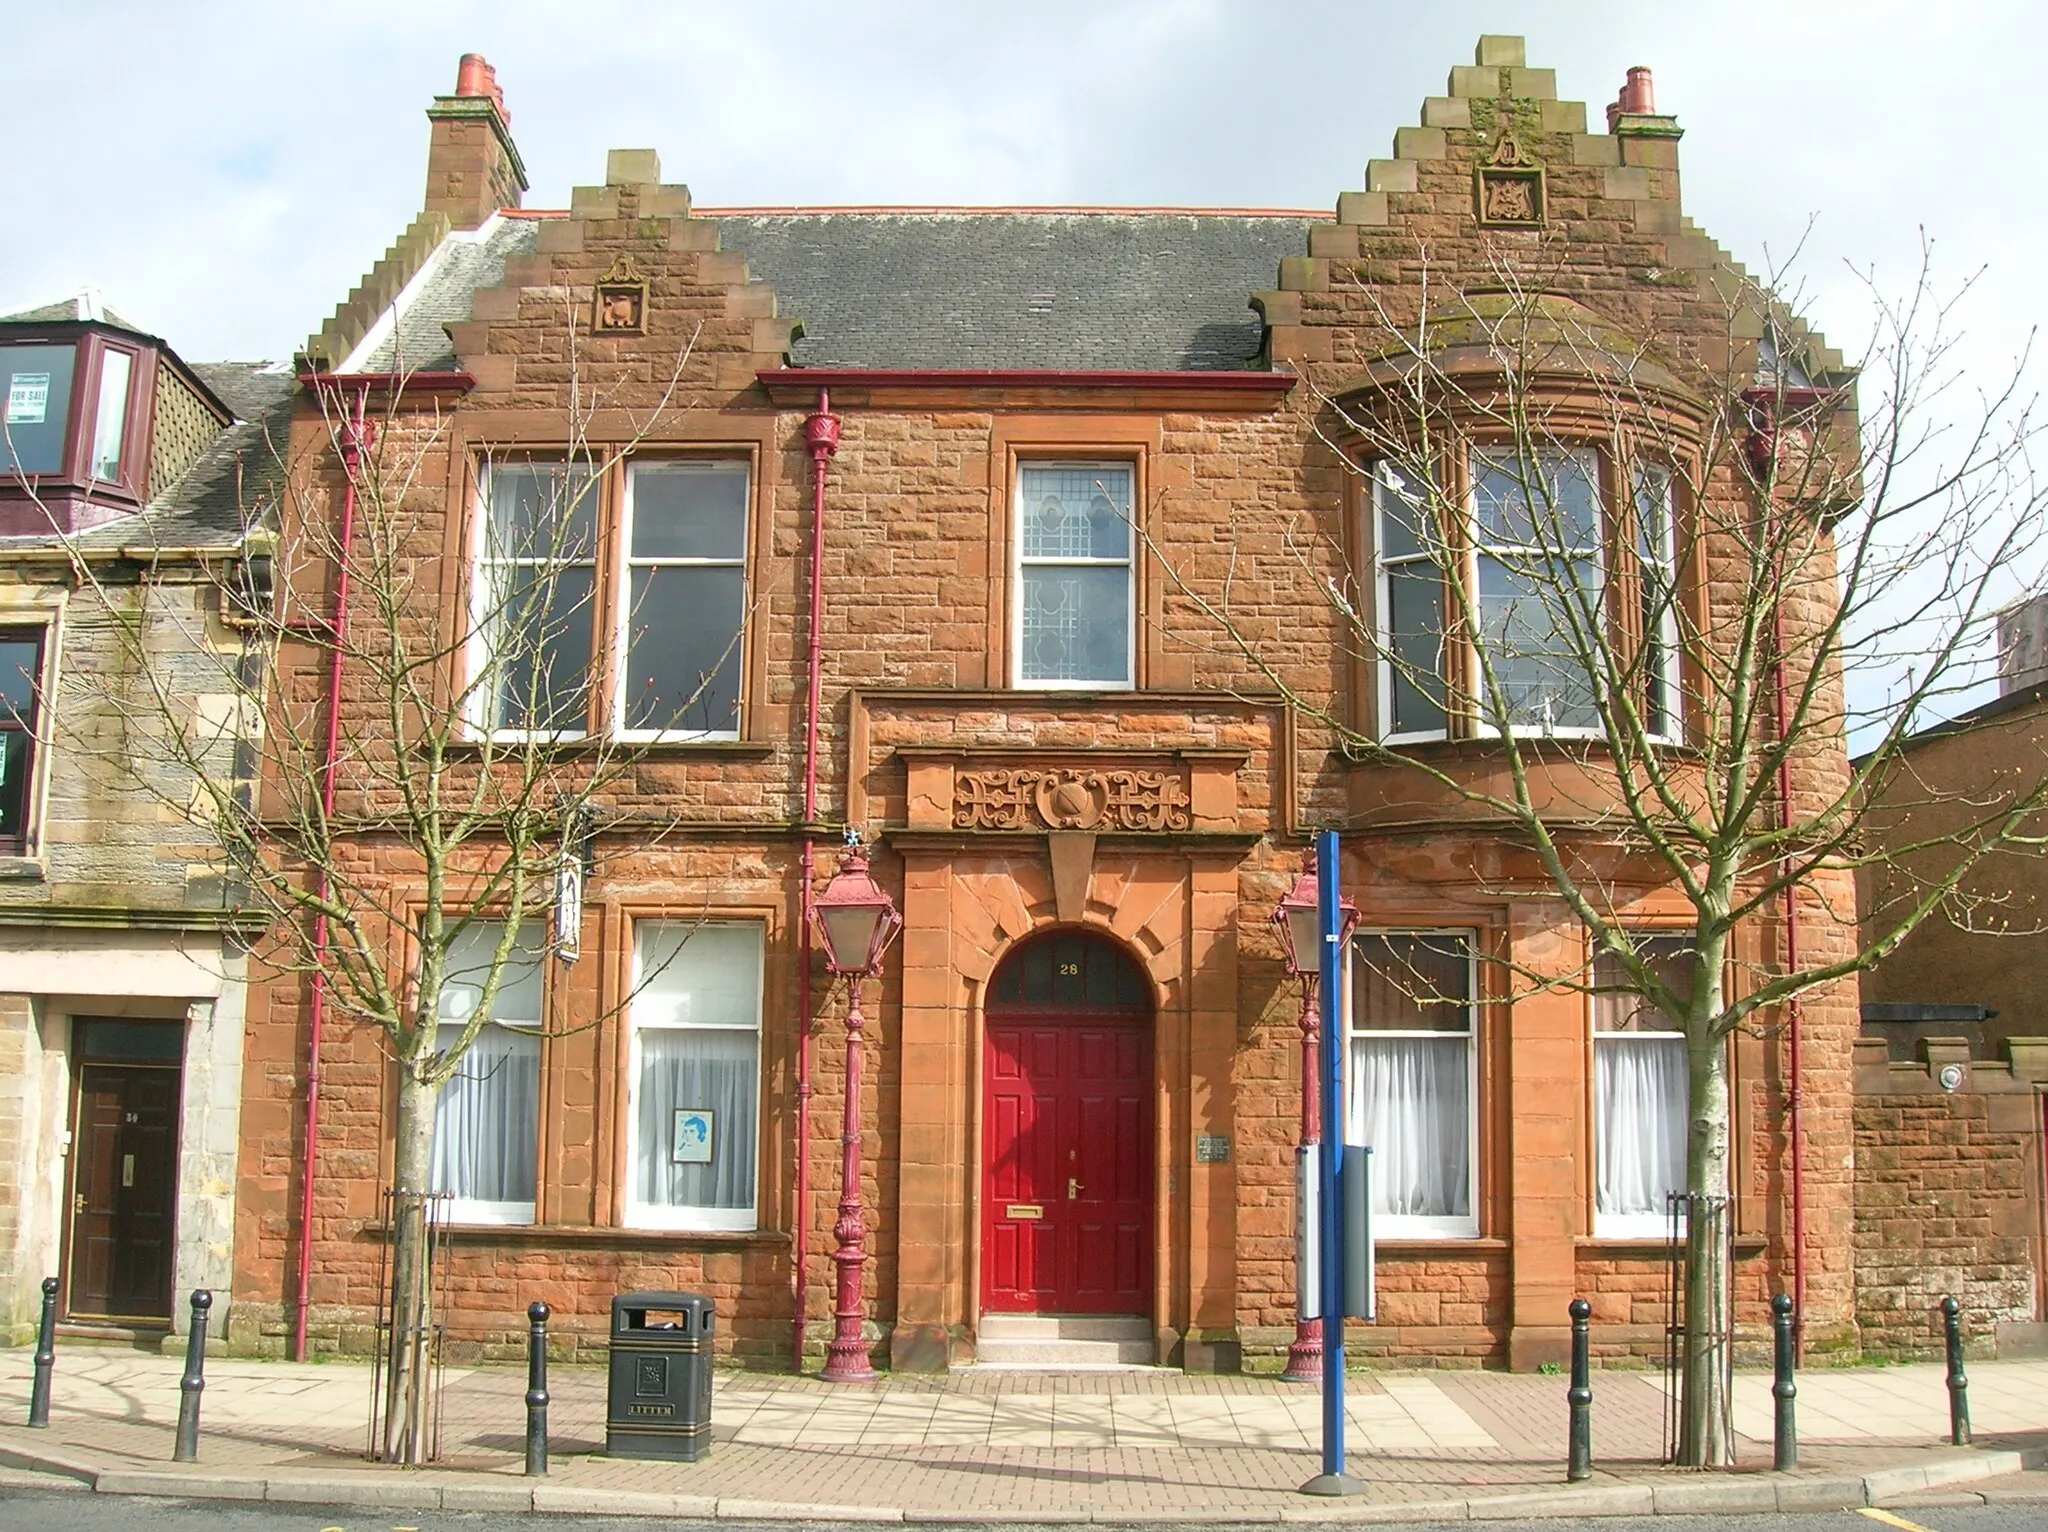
<point x="23" y="869"/>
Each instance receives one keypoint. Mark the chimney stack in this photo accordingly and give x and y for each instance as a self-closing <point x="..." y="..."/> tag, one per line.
<point x="473" y="167"/>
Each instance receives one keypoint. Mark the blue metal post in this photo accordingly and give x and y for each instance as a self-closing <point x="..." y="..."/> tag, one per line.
<point x="1332" y="1480"/>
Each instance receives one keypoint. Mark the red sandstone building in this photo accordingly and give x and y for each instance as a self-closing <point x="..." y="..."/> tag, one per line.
<point x="1060" y="435"/>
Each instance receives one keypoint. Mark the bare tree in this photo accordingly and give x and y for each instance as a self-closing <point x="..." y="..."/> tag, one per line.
<point x="409" y="779"/>
<point x="1658" y="581"/>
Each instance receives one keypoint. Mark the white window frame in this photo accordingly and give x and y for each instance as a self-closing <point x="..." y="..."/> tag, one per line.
<point x="1383" y="610"/>
<point x="1126" y="467"/>
<point x="482" y="699"/>
<point x="1418" y="1226"/>
<point x="622" y="625"/>
<point x="1477" y="547"/>
<point x="472" y="1210"/>
<point x="645" y="1215"/>
<point x="1664" y="560"/>
<point x="1655" y="1224"/>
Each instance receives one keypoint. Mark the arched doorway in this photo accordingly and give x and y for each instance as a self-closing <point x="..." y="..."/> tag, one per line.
<point x="1066" y="1189"/>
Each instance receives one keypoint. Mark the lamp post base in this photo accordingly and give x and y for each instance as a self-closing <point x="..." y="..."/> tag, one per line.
<point x="848" y="1363"/>
<point x="1305" y="1354"/>
<point x="1334" y="1484"/>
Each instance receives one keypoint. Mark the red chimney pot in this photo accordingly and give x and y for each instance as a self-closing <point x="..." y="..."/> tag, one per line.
<point x="475" y="77"/>
<point x="1638" y="96"/>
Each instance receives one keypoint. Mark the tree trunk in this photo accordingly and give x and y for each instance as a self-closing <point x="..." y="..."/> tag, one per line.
<point x="1706" y="1436"/>
<point x="412" y="1316"/>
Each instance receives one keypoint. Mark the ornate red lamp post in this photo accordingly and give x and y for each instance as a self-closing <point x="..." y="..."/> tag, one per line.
<point x="856" y="920"/>
<point x="1299" y="924"/>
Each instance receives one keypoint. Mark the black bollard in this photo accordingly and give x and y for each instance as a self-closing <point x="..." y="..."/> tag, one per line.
<point x="1958" y="1381"/>
<point x="193" y="1384"/>
<point x="1785" y="1429"/>
<point x="537" y="1391"/>
<point x="46" y="1357"/>
<point x="1579" y="1464"/>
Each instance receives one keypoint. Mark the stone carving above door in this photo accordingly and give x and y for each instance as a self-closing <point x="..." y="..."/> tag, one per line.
<point x="1070" y="798"/>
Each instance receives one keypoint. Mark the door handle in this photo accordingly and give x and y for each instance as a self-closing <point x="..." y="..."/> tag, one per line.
<point x="78" y="1203"/>
<point x="1073" y="1188"/>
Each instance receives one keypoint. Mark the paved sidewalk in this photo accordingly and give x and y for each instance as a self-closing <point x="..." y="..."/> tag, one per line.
<point x="997" y="1446"/>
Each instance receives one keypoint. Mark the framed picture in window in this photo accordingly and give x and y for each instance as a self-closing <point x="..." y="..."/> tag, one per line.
<point x="695" y="1133"/>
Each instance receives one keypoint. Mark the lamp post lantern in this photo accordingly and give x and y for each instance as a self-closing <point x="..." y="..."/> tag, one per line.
<point x="856" y="920"/>
<point x="1298" y="921"/>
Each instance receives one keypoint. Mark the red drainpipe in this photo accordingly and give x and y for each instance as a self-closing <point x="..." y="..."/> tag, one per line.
<point x="821" y="435"/>
<point x="355" y="438"/>
<point x="1763" y="405"/>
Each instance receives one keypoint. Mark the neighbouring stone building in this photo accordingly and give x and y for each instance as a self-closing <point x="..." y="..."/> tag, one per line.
<point x="127" y="479"/>
<point x="1047" y="447"/>
<point x="1952" y="1071"/>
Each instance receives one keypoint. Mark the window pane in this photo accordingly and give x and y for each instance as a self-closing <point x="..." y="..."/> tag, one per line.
<point x="690" y="511"/>
<point x="1616" y="1010"/>
<point x="112" y="422"/>
<point x="1526" y="631"/>
<point x="21" y="662"/>
<point x="469" y="965"/>
<point x="682" y="666"/>
<point x="1412" y="983"/>
<point x="1411" y="1100"/>
<point x="538" y="635"/>
<point x="544" y="512"/>
<point x="1656" y="558"/>
<point x="1076" y="624"/>
<point x="1415" y="635"/>
<point x="695" y="1119"/>
<point x="1640" y="1108"/>
<point x="16" y="747"/>
<point x="1403" y="501"/>
<point x="698" y="975"/>
<point x="1549" y="499"/>
<point x="1076" y="513"/>
<point x="35" y="403"/>
<point x="487" y="1118"/>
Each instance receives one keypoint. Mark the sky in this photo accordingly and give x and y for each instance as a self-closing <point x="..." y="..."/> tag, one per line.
<point x="226" y="172"/>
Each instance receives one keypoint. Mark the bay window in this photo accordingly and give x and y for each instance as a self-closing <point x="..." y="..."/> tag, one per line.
<point x="693" y="1122"/>
<point x="674" y="586"/>
<point x="1497" y="608"/>
<point x="1412" y="1072"/>
<point x="487" y="1117"/>
<point x="1641" y="1095"/>
<point x="1075" y="599"/>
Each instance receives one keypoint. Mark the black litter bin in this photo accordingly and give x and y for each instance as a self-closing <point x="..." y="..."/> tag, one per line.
<point x="659" y="1403"/>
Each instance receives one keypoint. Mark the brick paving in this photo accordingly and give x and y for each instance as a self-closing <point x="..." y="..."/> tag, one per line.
<point x="1149" y="1442"/>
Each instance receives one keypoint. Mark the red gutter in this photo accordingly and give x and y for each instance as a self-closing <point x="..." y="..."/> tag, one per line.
<point x="1275" y="383"/>
<point x="821" y="434"/>
<point x="355" y="438"/>
<point x="1763" y="405"/>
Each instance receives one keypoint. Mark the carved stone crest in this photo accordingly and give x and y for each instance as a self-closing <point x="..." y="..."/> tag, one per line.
<point x="1070" y="798"/>
<point x="1508" y="188"/>
<point x="620" y="304"/>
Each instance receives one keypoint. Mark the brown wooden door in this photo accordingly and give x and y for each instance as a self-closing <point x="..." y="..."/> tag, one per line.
<point x="124" y="1179"/>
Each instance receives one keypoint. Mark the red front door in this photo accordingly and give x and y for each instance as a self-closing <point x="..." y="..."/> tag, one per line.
<point x="1067" y="1154"/>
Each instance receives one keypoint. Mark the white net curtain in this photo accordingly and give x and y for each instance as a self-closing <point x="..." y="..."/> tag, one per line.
<point x="1411" y="1076"/>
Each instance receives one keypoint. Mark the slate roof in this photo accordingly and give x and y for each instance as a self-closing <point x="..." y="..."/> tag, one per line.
<point x="1085" y="291"/>
<point x="84" y="305"/>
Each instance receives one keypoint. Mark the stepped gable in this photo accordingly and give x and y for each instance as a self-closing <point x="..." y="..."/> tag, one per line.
<point x="374" y="297"/>
<point x="1499" y="166"/>
<point x="664" y="282"/>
